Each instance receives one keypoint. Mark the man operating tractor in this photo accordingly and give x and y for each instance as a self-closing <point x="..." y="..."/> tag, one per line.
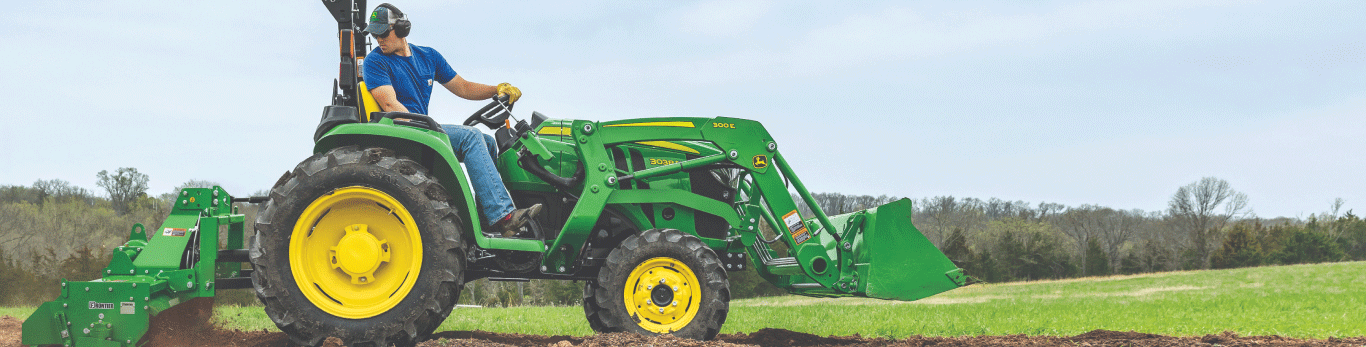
<point x="372" y="237"/>
<point x="400" y="76"/>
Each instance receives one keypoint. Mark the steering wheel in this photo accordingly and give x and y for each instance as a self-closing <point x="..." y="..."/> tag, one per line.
<point x="494" y="115"/>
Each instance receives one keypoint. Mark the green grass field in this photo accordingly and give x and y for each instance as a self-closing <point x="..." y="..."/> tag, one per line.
<point x="1303" y="301"/>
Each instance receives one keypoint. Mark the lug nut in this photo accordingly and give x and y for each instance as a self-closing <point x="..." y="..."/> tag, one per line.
<point x="661" y="310"/>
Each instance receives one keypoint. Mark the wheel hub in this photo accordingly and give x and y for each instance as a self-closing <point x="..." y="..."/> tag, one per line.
<point x="662" y="294"/>
<point x="359" y="253"/>
<point x="355" y="252"/>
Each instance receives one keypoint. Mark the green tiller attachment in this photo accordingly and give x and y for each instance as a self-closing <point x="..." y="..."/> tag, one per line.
<point x="146" y="277"/>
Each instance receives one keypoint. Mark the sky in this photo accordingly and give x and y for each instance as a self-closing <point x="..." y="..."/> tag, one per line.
<point x="1109" y="103"/>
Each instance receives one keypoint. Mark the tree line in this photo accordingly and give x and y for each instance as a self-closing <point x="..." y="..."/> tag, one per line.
<point x="1206" y="225"/>
<point x="52" y="230"/>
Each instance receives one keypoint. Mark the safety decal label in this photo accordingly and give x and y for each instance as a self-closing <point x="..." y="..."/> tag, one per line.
<point x="796" y="227"/>
<point x="101" y="306"/>
<point x="173" y="232"/>
<point x="127" y="308"/>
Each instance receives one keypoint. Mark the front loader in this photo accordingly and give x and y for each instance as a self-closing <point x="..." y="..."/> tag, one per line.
<point x="372" y="238"/>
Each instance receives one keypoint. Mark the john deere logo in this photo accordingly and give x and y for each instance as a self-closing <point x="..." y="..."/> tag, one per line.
<point x="760" y="161"/>
<point x="374" y="17"/>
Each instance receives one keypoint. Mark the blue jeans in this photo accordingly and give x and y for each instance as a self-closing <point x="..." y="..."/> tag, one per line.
<point x="477" y="150"/>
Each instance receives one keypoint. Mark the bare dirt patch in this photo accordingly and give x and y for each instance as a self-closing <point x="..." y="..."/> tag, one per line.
<point x="9" y="331"/>
<point x="191" y="332"/>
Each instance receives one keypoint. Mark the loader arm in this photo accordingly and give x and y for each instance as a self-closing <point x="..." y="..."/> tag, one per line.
<point x="875" y="252"/>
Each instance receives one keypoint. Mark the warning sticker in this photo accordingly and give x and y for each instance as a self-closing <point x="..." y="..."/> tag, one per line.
<point x="173" y="232"/>
<point x="127" y="308"/>
<point x="796" y="227"/>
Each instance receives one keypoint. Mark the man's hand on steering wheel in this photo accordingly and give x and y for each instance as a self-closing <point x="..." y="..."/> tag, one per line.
<point x="512" y="92"/>
<point x="495" y="114"/>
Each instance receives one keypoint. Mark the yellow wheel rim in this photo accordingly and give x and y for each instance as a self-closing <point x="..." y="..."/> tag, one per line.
<point x="355" y="252"/>
<point x="662" y="294"/>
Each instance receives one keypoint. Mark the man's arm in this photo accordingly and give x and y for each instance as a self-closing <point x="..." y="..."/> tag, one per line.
<point x="387" y="100"/>
<point x="469" y="90"/>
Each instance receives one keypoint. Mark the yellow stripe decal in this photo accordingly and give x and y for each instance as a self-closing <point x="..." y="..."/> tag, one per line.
<point x="655" y="124"/>
<point x="669" y="145"/>
<point x="560" y="131"/>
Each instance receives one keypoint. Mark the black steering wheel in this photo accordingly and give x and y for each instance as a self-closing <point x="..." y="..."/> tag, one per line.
<point x="494" y="115"/>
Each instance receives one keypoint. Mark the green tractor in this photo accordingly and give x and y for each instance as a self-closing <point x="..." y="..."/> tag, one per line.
<point x="372" y="238"/>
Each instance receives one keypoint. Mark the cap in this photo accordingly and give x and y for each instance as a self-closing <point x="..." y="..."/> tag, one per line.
<point x="382" y="20"/>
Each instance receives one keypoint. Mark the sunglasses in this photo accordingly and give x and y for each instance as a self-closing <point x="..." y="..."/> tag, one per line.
<point x="382" y="35"/>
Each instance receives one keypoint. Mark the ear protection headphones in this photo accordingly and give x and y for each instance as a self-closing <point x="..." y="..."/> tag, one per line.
<point x="401" y="26"/>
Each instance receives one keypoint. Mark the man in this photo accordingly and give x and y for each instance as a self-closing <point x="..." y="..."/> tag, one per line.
<point x="400" y="77"/>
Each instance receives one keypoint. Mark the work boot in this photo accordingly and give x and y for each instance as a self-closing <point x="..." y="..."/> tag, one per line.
<point x="512" y="224"/>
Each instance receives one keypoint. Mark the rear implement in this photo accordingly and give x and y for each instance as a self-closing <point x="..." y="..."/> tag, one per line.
<point x="147" y="277"/>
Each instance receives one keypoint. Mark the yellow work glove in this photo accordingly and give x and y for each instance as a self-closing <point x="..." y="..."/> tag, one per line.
<point x="512" y="92"/>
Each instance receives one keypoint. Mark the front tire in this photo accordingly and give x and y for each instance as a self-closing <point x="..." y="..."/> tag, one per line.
<point x="358" y="244"/>
<point x="661" y="281"/>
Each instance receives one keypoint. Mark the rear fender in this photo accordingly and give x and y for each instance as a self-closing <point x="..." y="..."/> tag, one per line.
<point x="429" y="148"/>
<point x="432" y="149"/>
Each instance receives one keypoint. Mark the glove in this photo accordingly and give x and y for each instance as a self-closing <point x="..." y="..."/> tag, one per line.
<point x="512" y="92"/>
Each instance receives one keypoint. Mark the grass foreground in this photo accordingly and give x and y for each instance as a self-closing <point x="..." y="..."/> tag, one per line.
<point x="1300" y="301"/>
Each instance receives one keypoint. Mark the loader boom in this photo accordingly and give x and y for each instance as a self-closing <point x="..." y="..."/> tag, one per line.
<point x="875" y="252"/>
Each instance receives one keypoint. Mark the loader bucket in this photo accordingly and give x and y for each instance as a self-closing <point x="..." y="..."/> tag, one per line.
<point x="893" y="259"/>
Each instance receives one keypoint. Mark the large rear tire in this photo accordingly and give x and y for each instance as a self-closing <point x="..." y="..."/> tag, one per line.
<point x="358" y="244"/>
<point x="660" y="281"/>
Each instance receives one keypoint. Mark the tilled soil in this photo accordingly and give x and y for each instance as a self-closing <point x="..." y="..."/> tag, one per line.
<point x="191" y="331"/>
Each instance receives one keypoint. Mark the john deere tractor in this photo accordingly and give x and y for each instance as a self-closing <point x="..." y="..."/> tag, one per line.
<point x="372" y="237"/>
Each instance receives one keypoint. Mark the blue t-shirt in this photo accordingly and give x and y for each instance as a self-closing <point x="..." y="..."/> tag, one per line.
<point x="411" y="77"/>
